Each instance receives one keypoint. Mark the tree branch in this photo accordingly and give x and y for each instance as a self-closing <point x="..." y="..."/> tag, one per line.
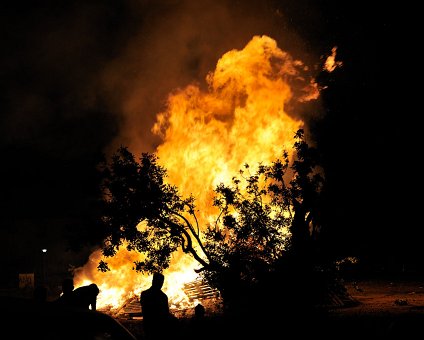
<point x="189" y="248"/>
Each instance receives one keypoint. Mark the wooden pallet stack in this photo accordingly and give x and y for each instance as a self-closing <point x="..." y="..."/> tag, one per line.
<point x="199" y="290"/>
<point x="196" y="290"/>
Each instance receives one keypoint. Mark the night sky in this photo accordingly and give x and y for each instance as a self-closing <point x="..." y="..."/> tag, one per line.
<point x="79" y="78"/>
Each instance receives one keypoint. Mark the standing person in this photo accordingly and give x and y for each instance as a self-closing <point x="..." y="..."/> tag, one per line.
<point x="155" y="309"/>
<point x="198" y="322"/>
<point x="85" y="297"/>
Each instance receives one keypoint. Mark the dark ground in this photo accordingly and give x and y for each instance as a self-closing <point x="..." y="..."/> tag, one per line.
<point x="385" y="308"/>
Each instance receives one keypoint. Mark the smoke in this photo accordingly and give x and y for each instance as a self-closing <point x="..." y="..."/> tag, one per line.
<point x="178" y="43"/>
<point x="83" y="77"/>
<point x="106" y="67"/>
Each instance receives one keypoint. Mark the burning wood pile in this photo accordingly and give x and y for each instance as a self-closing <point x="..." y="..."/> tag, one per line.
<point x="130" y="309"/>
<point x="197" y="291"/>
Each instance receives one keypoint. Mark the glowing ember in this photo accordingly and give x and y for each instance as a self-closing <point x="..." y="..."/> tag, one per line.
<point x="207" y="137"/>
<point x="330" y="63"/>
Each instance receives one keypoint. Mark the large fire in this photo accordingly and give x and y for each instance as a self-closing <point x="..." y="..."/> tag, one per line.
<point x="208" y="135"/>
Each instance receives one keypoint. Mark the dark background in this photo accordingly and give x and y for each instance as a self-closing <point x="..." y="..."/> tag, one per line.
<point x="79" y="78"/>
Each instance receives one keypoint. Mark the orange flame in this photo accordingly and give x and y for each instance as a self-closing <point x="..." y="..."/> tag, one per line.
<point x="122" y="282"/>
<point x="207" y="137"/>
<point x="330" y="63"/>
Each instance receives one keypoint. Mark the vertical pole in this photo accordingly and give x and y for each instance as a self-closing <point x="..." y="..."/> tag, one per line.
<point x="44" y="266"/>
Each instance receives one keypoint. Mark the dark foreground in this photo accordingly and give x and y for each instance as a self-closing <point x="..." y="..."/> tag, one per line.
<point x="379" y="325"/>
<point x="384" y="309"/>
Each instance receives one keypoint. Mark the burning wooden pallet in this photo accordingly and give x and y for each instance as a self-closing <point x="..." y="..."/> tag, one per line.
<point x="195" y="290"/>
<point x="131" y="308"/>
<point x="199" y="290"/>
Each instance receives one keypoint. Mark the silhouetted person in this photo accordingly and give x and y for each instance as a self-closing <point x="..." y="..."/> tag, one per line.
<point x="198" y="324"/>
<point x="199" y="311"/>
<point x="66" y="298"/>
<point x="155" y="309"/>
<point x="85" y="297"/>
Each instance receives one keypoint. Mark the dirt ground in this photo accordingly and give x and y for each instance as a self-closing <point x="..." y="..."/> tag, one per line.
<point x="385" y="309"/>
<point x="388" y="296"/>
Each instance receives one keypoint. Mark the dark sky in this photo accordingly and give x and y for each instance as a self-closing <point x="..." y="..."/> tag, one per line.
<point x="79" y="78"/>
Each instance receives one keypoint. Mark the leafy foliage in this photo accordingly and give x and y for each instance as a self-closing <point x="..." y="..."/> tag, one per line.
<point x="261" y="215"/>
<point x="145" y="212"/>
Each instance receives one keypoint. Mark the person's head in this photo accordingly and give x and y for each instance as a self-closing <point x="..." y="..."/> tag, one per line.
<point x="94" y="289"/>
<point x="199" y="311"/>
<point x="67" y="285"/>
<point x="158" y="280"/>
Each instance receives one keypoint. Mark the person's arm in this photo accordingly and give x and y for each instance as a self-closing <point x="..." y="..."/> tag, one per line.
<point x="93" y="303"/>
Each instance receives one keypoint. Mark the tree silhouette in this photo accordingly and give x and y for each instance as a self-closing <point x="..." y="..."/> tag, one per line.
<point x="263" y="217"/>
<point x="145" y="212"/>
